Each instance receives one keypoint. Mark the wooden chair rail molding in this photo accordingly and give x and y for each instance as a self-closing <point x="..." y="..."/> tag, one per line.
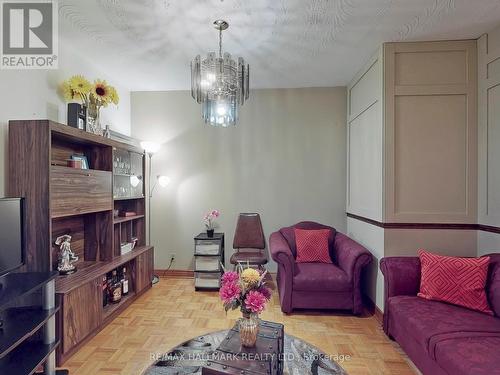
<point x="452" y="226"/>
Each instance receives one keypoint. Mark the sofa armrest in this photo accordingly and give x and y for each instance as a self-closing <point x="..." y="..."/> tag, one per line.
<point x="281" y="254"/>
<point x="401" y="278"/>
<point x="350" y="255"/>
<point x="280" y="251"/>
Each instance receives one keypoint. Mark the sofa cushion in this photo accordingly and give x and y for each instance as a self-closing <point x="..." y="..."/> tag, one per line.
<point x="289" y="234"/>
<point x="460" y="281"/>
<point x="423" y="319"/>
<point x="312" y="245"/>
<point x="471" y="355"/>
<point x="320" y="277"/>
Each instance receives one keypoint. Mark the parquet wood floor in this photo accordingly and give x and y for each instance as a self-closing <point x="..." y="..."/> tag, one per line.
<point x="172" y="312"/>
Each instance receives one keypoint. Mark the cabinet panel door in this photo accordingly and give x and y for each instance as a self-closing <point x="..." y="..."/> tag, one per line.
<point x="82" y="313"/>
<point x="79" y="191"/>
<point x="144" y="270"/>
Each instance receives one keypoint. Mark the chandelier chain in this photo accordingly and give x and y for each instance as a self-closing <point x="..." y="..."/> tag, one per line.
<point x="220" y="43"/>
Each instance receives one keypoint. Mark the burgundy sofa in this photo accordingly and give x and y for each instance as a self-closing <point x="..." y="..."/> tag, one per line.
<point x="441" y="339"/>
<point x="319" y="285"/>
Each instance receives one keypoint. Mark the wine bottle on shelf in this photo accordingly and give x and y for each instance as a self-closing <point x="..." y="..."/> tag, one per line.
<point x="125" y="288"/>
<point x="104" y="291"/>
<point x="115" y="288"/>
<point x="108" y="287"/>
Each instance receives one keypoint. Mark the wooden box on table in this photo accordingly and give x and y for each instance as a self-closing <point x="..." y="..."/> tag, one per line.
<point x="265" y="358"/>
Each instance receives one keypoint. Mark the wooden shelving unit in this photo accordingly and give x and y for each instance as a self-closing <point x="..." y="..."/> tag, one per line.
<point x="82" y="203"/>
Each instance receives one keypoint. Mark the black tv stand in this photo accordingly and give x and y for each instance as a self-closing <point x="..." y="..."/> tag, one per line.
<point x="28" y="337"/>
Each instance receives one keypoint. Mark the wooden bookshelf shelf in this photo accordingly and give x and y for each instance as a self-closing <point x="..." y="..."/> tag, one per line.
<point x="65" y="284"/>
<point x="73" y="135"/>
<point x="123" y="219"/>
<point x="110" y="309"/>
<point x="128" y="198"/>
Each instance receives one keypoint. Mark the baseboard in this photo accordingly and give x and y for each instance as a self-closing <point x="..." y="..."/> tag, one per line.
<point x="373" y="309"/>
<point x="188" y="274"/>
<point x="379" y="315"/>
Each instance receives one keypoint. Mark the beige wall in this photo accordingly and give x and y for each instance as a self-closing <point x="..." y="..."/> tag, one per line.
<point x="406" y="242"/>
<point x="32" y="94"/>
<point x="365" y="130"/>
<point x="489" y="139"/>
<point x="372" y="237"/>
<point x="431" y="132"/>
<point x="286" y="159"/>
<point x="412" y="141"/>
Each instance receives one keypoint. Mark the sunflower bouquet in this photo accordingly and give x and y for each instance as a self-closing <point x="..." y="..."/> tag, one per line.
<point x="99" y="94"/>
<point x="93" y="96"/>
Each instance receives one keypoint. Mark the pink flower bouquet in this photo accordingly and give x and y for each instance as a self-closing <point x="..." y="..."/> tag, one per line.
<point x="244" y="289"/>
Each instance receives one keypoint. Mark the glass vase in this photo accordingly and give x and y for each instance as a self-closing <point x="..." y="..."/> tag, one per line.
<point x="249" y="328"/>
<point x="93" y="120"/>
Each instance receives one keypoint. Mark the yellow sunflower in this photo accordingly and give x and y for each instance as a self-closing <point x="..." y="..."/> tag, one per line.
<point x="101" y="92"/>
<point x="114" y="95"/>
<point x="80" y="85"/>
<point x="67" y="92"/>
<point x="250" y="276"/>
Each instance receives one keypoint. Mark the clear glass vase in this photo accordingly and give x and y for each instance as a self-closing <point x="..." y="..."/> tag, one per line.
<point x="93" y="119"/>
<point x="249" y="328"/>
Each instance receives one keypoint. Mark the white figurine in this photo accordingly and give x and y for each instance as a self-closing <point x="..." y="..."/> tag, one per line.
<point x="66" y="256"/>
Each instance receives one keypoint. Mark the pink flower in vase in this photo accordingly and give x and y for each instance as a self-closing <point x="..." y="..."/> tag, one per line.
<point x="255" y="302"/>
<point x="229" y="292"/>
<point x="266" y="292"/>
<point x="230" y="277"/>
<point x="215" y="213"/>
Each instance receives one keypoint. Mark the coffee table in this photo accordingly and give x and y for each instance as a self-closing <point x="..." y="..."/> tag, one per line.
<point x="300" y="358"/>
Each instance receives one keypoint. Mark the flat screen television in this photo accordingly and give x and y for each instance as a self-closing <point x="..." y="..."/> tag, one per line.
<point x="11" y="234"/>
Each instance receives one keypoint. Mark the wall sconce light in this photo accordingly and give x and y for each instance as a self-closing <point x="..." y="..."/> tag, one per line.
<point x="163" y="181"/>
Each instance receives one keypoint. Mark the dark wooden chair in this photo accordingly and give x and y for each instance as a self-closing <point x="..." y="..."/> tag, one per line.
<point x="249" y="242"/>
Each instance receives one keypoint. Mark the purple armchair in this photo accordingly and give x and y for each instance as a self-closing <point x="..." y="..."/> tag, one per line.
<point x="319" y="285"/>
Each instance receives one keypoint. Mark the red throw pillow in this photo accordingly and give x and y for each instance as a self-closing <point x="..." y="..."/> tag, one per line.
<point x="459" y="281"/>
<point x="312" y="245"/>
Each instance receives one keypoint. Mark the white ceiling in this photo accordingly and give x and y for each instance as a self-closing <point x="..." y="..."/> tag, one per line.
<point x="148" y="44"/>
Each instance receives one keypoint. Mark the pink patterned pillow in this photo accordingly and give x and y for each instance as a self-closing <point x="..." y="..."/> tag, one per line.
<point x="459" y="281"/>
<point x="312" y="245"/>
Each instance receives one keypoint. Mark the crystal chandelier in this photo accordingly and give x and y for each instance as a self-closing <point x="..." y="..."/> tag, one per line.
<point x="220" y="84"/>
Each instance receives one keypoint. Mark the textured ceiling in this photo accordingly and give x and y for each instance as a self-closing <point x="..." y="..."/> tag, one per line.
<point x="148" y="44"/>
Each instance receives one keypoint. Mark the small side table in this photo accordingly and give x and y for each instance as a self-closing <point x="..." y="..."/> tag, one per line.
<point x="208" y="261"/>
